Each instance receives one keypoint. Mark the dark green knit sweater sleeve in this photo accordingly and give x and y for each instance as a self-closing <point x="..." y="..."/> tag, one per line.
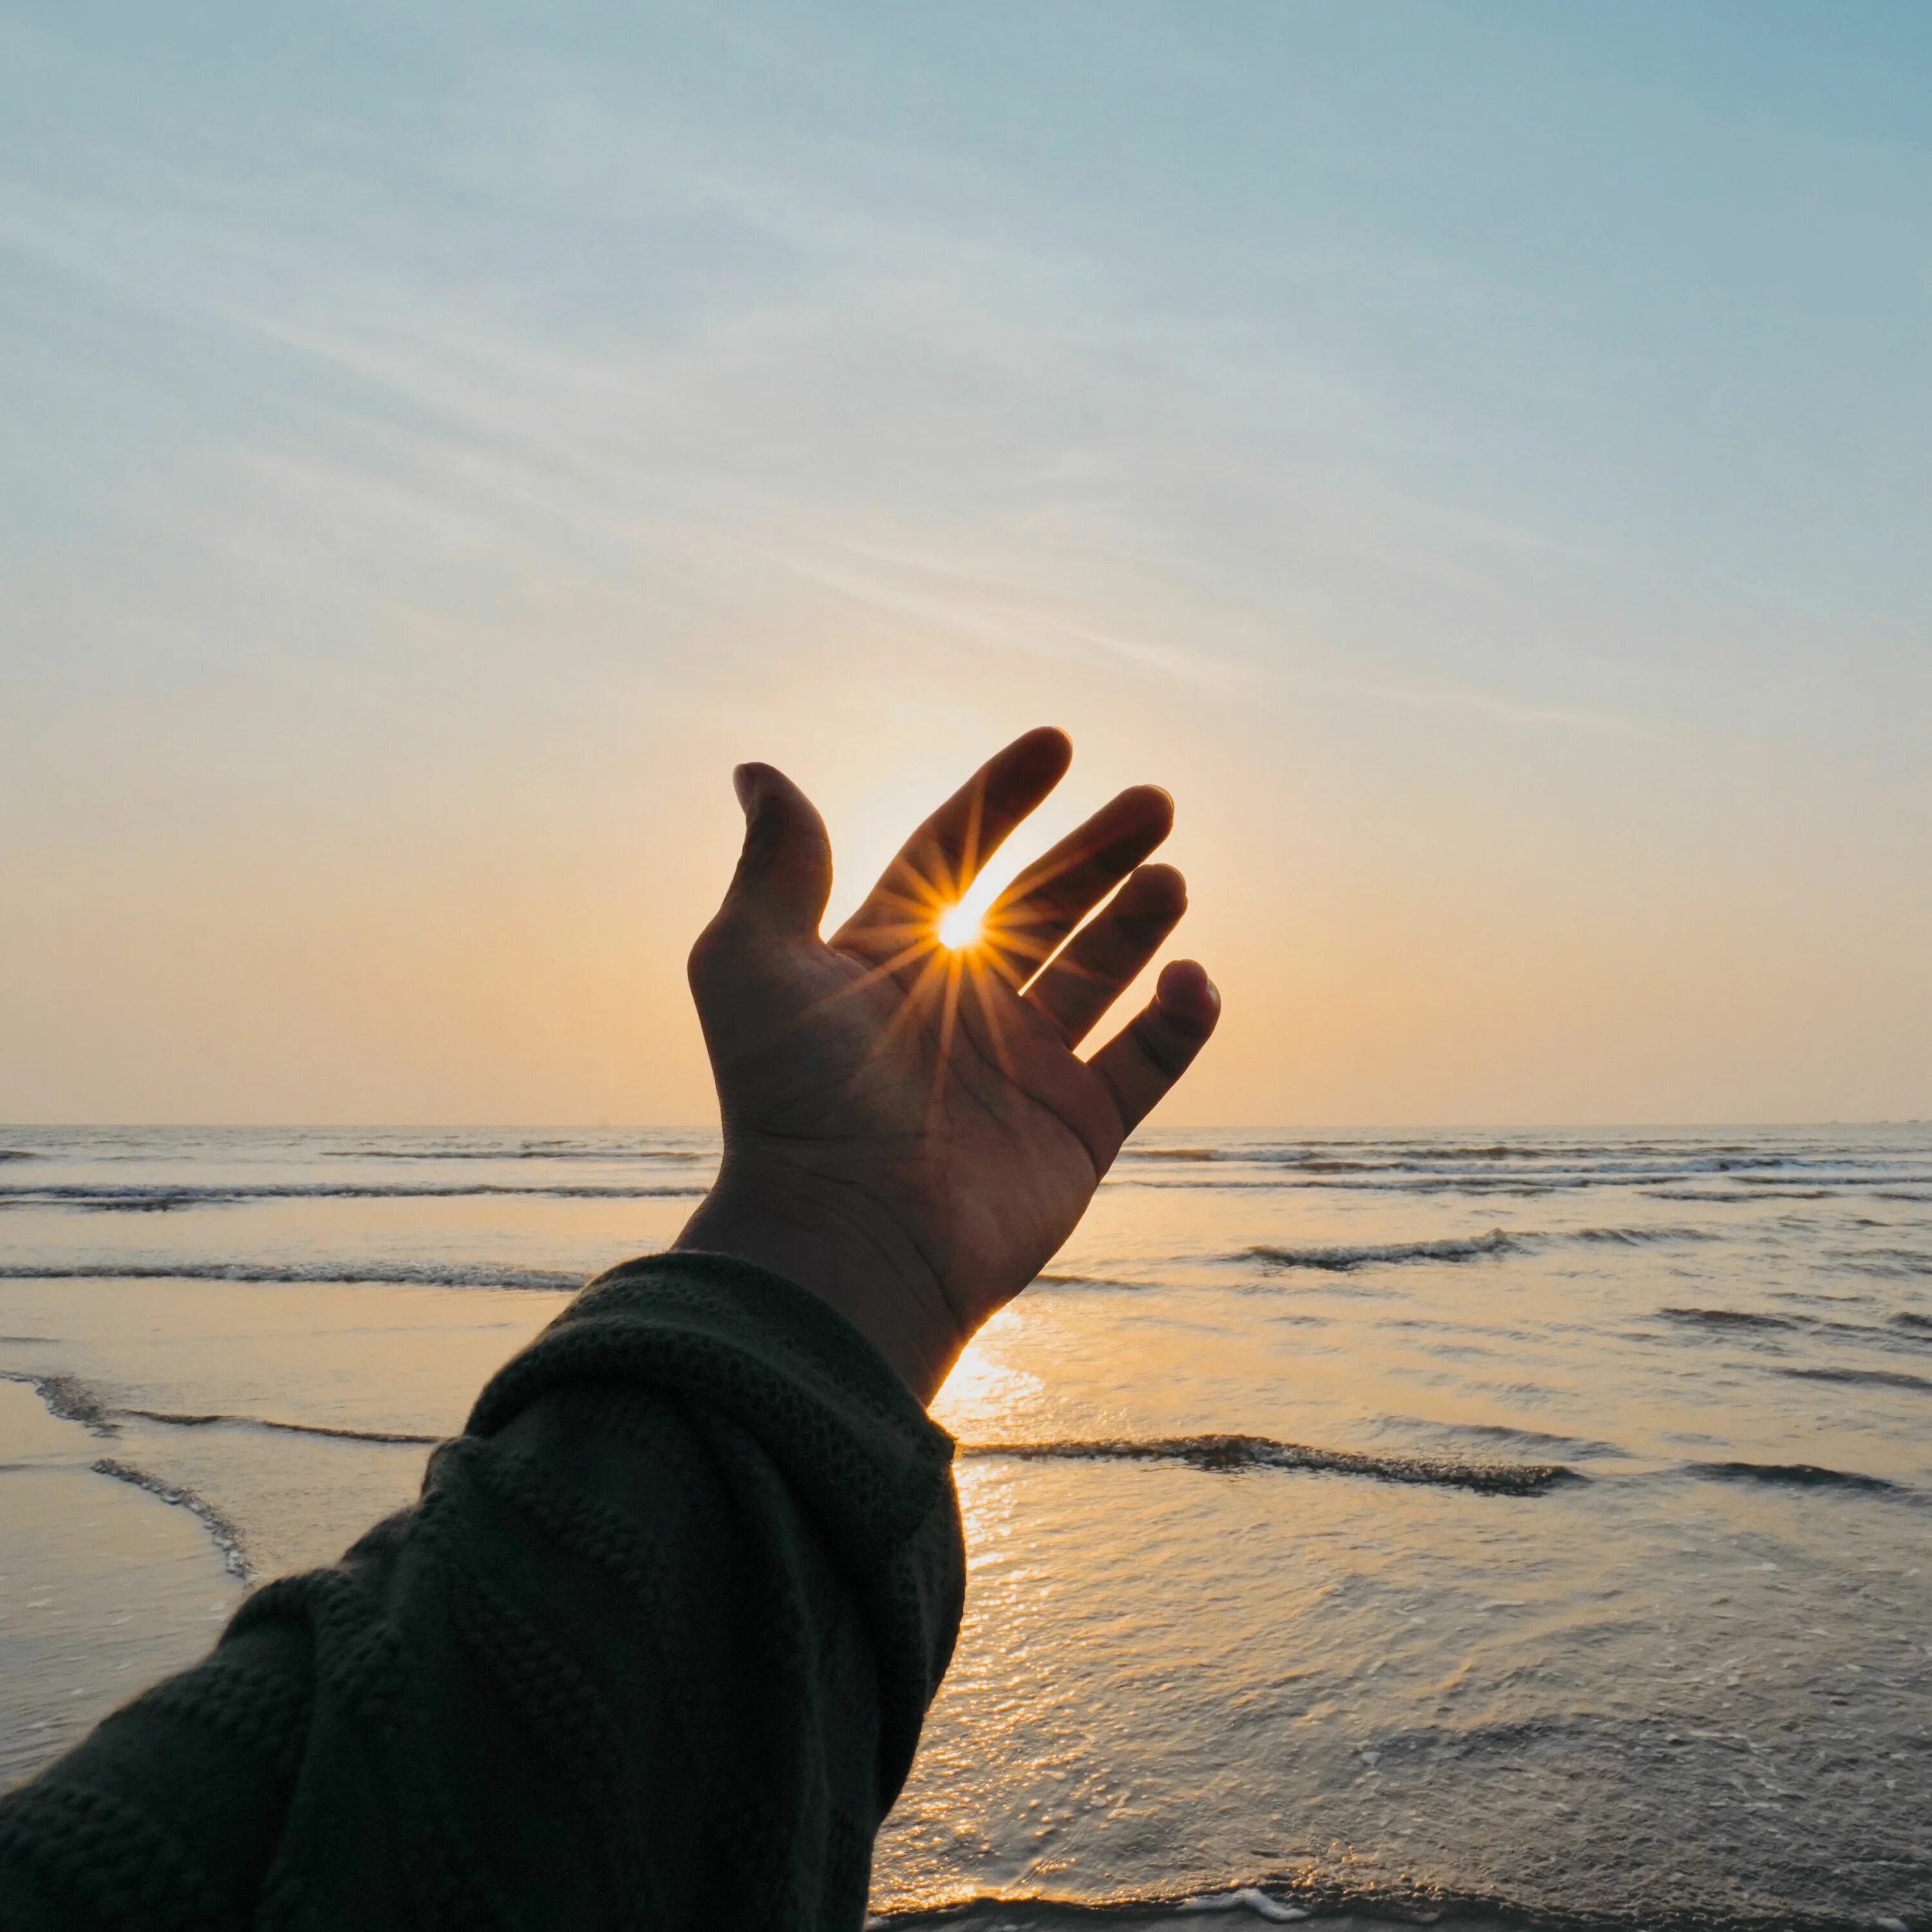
<point x="653" y="1650"/>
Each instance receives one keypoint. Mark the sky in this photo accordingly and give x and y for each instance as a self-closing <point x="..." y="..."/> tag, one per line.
<point x="1474" y="455"/>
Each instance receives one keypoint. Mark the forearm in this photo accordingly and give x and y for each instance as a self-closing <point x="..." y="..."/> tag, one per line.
<point x="831" y="1238"/>
<point x="669" y="1613"/>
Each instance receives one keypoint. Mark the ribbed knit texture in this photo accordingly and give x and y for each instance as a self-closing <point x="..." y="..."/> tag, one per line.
<point x="653" y="1650"/>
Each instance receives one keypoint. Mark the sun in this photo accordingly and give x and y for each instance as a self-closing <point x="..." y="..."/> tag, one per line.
<point x="958" y="927"/>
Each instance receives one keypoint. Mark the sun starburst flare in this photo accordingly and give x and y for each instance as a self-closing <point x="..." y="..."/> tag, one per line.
<point x="959" y="928"/>
<point x="947" y="940"/>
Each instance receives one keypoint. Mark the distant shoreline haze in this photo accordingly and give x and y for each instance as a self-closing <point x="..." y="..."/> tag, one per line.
<point x="1158" y="1125"/>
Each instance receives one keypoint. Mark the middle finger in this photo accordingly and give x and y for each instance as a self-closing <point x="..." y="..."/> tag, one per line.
<point x="1051" y="897"/>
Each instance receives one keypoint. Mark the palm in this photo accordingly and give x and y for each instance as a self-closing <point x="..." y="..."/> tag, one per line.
<point x="927" y="1097"/>
<point x="929" y="1074"/>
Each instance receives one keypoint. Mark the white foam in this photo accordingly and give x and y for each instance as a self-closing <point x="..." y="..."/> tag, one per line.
<point x="1249" y="1898"/>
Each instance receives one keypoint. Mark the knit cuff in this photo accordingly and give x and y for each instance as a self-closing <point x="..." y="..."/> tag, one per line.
<point x="863" y="1456"/>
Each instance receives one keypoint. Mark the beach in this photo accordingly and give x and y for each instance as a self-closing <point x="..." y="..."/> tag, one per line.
<point x="1534" y="1524"/>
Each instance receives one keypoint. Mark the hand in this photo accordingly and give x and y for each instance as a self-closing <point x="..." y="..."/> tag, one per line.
<point x="908" y="1131"/>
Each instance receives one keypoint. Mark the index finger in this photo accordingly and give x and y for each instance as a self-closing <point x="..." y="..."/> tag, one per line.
<point x="937" y="863"/>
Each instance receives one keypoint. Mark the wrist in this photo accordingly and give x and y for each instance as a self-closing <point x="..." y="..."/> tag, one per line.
<point x="833" y="1243"/>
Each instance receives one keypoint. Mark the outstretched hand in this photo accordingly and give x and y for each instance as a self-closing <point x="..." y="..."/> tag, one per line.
<point x="908" y="1130"/>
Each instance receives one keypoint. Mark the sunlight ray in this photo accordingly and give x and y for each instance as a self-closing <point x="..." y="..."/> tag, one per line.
<point x="996" y="1021"/>
<point x="884" y="970"/>
<point x="948" y="1019"/>
<point x="920" y="996"/>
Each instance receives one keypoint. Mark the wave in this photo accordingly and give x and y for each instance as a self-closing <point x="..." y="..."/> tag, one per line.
<point x="1250" y="1898"/>
<point x="1624" y="1157"/>
<point x="68" y="1399"/>
<point x="1527" y="1185"/>
<point x="534" y="1151"/>
<point x="382" y="1274"/>
<point x="1371" y="1180"/>
<point x="160" y="1199"/>
<point x="227" y="1537"/>
<point x="1727" y="1318"/>
<point x="1499" y="1150"/>
<point x="1534" y="1439"/>
<point x="1907" y="1262"/>
<point x="178" y="1421"/>
<point x="1281" y="1900"/>
<point x="1886" y="1378"/>
<point x="1903" y="1331"/>
<point x="1637" y="1238"/>
<point x="1790" y="1475"/>
<point x="1235" y="1453"/>
<point x="1342" y="1157"/>
<point x="1714" y="1197"/>
<point x="1343" y="1260"/>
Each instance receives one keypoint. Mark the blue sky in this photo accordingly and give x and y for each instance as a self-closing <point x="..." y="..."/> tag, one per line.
<point x="1474" y="454"/>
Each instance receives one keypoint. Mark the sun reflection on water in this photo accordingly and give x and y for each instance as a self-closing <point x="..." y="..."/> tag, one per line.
<point x="983" y="1394"/>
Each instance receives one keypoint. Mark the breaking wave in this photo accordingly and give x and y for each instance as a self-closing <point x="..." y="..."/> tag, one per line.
<point x="160" y="1199"/>
<point x="1236" y="1453"/>
<point x="1345" y="1257"/>
<point x="1318" y="1899"/>
<point x="227" y="1538"/>
<point x="1342" y="1260"/>
<point x="1279" y="1901"/>
<point x="1728" y="1319"/>
<point x="1790" y="1475"/>
<point x="1637" y="1238"/>
<point x="179" y="1421"/>
<point x="1886" y="1378"/>
<point x="533" y="1151"/>
<point x="382" y="1274"/>
<point x="70" y="1400"/>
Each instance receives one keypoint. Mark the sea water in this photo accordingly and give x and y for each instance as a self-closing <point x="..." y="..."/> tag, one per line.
<point x="1530" y="1524"/>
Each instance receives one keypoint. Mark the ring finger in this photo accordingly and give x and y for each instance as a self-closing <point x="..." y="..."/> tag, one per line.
<point x="1102" y="961"/>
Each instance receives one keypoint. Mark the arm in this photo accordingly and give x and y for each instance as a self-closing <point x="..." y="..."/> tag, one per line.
<point x="661" y="1631"/>
<point x="654" y="1646"/>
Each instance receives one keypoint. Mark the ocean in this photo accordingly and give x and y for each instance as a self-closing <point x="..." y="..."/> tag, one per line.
<point x="1521" y="1525"/>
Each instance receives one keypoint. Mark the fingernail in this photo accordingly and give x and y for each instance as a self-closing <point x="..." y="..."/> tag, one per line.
<point x="744" y="782"/>
<point x="1183" y="971"/>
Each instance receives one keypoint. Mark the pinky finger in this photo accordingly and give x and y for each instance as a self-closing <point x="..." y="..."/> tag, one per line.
<point x="1146" y="1058"/>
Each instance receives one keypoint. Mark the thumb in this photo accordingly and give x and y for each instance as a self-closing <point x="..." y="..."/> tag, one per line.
<point x="784" y="872"/>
